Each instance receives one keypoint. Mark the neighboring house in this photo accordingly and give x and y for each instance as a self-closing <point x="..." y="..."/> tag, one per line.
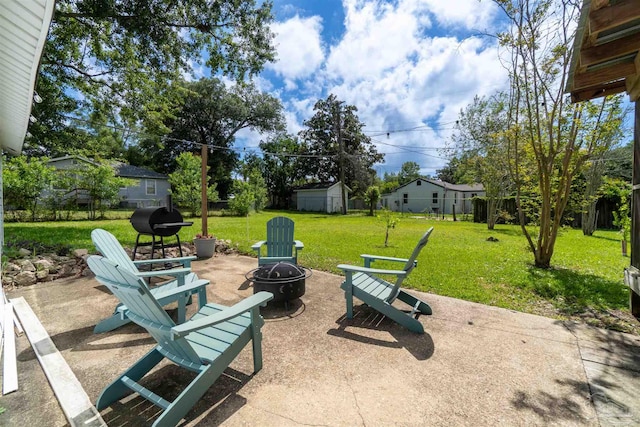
<point x="431" y="196"/>
<point x="320" y="197"/>
<point x="149" y="188"/>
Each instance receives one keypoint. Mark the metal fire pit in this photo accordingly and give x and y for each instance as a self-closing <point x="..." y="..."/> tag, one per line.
<point x="284" y="280"/>
<point x="157" y="222"/>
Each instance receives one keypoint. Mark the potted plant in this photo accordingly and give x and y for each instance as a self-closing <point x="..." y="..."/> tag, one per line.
<point x="205" y="245"/>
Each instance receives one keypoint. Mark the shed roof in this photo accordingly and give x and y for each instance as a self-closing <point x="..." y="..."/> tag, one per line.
<point x="318" y="186"/>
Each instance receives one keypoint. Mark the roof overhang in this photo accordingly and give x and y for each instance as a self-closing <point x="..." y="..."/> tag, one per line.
<point x="24" y="25"/>
<point x="605" y="51"/>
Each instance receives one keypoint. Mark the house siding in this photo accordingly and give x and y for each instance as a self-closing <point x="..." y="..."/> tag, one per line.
<point x="426" y="196"/>
<point x="134" y="196"/>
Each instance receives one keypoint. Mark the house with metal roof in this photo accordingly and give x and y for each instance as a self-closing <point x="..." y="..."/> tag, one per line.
<point x="149" y="188"/>
<point x="423" y="195"/>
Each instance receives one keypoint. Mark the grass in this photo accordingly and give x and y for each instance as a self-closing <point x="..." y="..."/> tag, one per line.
<point x="459" y="261"/>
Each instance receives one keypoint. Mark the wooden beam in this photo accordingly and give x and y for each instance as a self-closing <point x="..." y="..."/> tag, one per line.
<point x="602" y="75"/>
<point x="633" y="87"/>
<point x="613" y="15"/>
<point x="598" y="91"/>
<point x="608" y="51"/>
<point x="72" y="398"/>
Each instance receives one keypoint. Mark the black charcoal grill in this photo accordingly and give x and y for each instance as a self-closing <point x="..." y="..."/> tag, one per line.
<point x="284" y="280"/>
<point x="158" y="222"/>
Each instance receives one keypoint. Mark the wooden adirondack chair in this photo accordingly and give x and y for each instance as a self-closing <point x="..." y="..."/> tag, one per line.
<point x="109" y="246"/>
<point x="280" y="243"/>
<point x="206" y="344"/>
<point x="364" y="284"/>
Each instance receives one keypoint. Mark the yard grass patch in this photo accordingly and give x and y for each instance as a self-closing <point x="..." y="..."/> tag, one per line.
<point x="462" y="259"/>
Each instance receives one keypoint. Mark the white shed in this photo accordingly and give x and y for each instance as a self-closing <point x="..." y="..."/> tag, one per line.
<point x="320" y="197"/>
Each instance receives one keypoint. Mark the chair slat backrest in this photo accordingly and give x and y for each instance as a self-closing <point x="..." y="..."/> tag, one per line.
<point x="280" y="231"/>
<point x="142" y="307"/>
<point x="111" y="248"/>
<point x="410" y="264"/>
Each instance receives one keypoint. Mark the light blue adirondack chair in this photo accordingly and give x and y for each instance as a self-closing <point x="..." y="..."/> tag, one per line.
<point x="109" y="246"/>
<point x="280" y="243"/>
<point x="206" y="344"/>
<point x="364" y="284"/>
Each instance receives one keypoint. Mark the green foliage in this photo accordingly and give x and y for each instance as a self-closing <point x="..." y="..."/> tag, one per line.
<point x="371" y="197"/>
<point x="24" y="180"/>
<point x="408" y="172"/>
<point x="281" y="168"/>
<point x="123" y="56"/>
<point x="621" y="216"/>
<point x="243" y="198"/>
<point x="259" y="190"/>
<point x="212" y="114"/>
<point x="101" y="185"/>
<point x="332" y="122"/>
<point x="390" y="219"/>
<point x="186" y="183"/>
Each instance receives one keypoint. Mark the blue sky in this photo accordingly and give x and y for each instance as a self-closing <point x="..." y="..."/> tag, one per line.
<point x="409" y="66"/>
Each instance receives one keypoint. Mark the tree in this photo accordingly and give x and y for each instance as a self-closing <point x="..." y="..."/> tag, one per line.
<point x="24" y="180"/>
<point x="281" y="167"/>
<point x="243" y="198"/>
<point x="482" y="151"/>
<point x="123" y="56"/>
<point x="186" y="184"/>
<point x="101" y="185"/>
<point x="371" y="198"/>
<point x="609" y="132"/>
<point x="212" y="114"/>
<point x="408" y="172"/>
<point x="335" y="147"/>
<point x="259" y="189"/>
<point x="548" y="138"/>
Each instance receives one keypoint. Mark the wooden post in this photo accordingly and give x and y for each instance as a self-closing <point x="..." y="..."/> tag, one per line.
<point x="634" y="299"/>
<point x="205" y="210"/>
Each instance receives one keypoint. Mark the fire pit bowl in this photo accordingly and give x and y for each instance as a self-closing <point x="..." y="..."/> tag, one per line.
<point x="284" y="280"/>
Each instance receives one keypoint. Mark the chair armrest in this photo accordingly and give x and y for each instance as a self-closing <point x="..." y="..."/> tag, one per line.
<point x="383" y="258"/>
<point x="298" y="244"/>
<point x="176" y="272"/>
<point x="191" y="288"/>
<point x="256" y="246"/>
<point x="259" y="299"/>
<point x="182" y="260"/>
<point x="359" y="269"/>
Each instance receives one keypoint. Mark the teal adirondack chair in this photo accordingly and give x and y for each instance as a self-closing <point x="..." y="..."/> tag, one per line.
<point x="206" y="344"/>
<point x="364" y="284"/>
<point x="109" y="246"/>
<point x="280" y="243"/>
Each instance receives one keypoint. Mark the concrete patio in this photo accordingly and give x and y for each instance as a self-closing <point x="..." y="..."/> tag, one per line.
<point x="476" y="365"/>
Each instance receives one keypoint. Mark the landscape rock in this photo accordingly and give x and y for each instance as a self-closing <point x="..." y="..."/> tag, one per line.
<point x="79" y="253"/>
<point x="24" y="252"/>
<point x="44" y="265"/>
<point x="26" y="265"/>
<point x="25" y="278"/>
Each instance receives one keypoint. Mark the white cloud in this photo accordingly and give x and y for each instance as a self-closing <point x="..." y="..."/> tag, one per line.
<point x="398" y="66"/>
<point x="299" y="47"/>
<point x="473" y="14"/>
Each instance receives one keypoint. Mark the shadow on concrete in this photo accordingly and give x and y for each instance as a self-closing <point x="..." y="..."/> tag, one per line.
<point x="420" y="346"/>
<point x="84" y="339"/>
<point x="283" y="310"/>
<point x="221" y="401"/>
<point x="549" y="408"/>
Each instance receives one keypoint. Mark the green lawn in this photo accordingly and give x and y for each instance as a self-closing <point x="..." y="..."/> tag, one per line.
<point x="458" y="261"/>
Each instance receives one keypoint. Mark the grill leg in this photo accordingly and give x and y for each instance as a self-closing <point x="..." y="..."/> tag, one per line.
<point x="135" y="248"/>
<point x="179" y="245"/>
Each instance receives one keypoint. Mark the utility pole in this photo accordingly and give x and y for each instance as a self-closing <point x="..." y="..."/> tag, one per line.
<point x="337" y="121"/>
